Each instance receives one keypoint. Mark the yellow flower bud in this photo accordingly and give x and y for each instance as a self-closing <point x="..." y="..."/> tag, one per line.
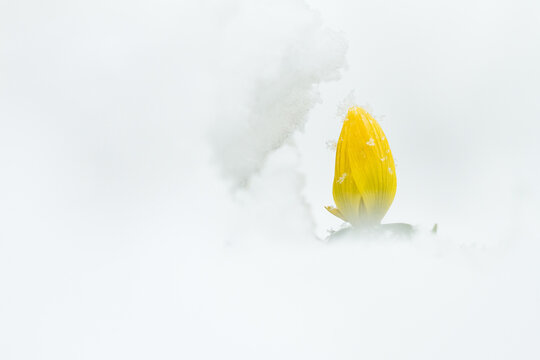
<point x="365" y="176"/>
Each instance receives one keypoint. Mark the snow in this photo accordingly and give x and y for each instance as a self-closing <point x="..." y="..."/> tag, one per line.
<point x="165" y="169"/>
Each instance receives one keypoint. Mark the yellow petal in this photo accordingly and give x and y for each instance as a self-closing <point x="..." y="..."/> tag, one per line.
<point x="336" y="212"/>
<point x="365" y="176"/>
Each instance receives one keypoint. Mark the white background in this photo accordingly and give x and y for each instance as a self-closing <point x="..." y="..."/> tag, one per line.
<point x="165" y="167"/>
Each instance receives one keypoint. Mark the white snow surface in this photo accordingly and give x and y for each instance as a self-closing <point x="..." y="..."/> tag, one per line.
<point x="165" y="169"/>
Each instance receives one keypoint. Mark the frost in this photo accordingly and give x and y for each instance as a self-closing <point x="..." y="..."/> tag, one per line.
<point x="370" y="142"/>
<point x="271" y="74"/>
<point x="347" y="102"/>
<point x="331" y="144"/>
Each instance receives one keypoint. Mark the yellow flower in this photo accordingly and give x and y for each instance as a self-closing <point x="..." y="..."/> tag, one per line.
<point x="365" y="176"/>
